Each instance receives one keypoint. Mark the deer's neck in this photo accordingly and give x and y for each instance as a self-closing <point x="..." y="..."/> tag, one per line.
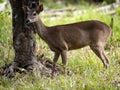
<point x="41" y="28"/>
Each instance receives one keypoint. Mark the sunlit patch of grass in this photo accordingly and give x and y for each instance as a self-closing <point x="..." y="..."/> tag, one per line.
<point x="6" y="50"/>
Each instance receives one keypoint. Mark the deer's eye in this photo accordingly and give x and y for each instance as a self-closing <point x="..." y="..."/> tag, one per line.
<point x="34" y="14"/>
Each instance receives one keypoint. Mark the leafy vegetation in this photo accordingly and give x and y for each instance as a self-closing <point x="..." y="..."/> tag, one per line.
<point x="86" y="70"/>
<point x="1" y="1"/>
<point x="78" y="3"/>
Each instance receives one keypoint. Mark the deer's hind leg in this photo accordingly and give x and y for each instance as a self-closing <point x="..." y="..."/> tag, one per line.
<point x="107" y="60"/>
<point x="98" y="49"/>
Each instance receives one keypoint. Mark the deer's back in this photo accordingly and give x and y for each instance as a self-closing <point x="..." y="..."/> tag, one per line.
<point x="77" y="35"/>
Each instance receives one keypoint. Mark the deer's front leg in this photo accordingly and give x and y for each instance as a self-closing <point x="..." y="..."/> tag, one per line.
<point x="56" y="56"/>
<point x="64" y="59"/>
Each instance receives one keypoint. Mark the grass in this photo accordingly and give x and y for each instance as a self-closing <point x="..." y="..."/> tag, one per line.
<point x="88" y="75"/>
<point x="87" y="72"/>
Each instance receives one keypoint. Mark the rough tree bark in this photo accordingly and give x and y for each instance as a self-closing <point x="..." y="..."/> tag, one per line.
<point x="23" y="42"/>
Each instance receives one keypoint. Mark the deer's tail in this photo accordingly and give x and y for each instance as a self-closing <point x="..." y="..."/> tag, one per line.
<point x="112" y="21"/>
<point x="111" y="26"/>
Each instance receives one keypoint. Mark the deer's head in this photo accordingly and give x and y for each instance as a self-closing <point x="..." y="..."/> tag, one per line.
<point x="32" y="15"/>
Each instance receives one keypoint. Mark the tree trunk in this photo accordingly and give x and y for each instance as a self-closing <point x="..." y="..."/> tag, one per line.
<point x="23" y="42"/>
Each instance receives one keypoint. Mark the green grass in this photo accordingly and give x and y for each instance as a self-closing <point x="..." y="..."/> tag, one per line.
<point x="88" y="75"/>
<point x="87" y="72"/>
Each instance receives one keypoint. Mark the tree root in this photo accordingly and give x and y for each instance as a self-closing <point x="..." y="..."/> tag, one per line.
<point x="41" y="68"/>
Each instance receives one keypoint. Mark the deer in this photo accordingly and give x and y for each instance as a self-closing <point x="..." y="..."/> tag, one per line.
<point x="63" y="38"/>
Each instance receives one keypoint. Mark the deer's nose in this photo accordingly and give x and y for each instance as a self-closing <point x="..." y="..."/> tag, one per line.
<point x="27" y="21"/>
<point x="33" y="4"/>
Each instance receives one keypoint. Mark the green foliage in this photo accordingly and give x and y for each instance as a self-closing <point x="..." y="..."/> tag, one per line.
<point x="118" y="10"/>
<point x="5" y="37"/>
<point x="86" y="70"/>
<point x="60" y="3"/>
<point x="1" y="1"/>
<point x="109" y="1"/>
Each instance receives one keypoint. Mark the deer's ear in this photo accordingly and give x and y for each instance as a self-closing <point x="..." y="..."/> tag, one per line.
<point x="25" y="9"/>
<point x="39" y="8"/>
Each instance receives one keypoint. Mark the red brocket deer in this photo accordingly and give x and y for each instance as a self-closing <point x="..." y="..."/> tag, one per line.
<point x="62" y="38"/>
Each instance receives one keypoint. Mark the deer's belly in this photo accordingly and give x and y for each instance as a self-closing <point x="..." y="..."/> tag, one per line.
<point x="76" y="47"/>
<point x="72" y="46"/>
